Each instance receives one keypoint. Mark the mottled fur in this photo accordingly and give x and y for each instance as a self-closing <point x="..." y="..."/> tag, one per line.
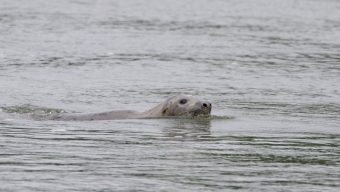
<point x="180" y="105"/>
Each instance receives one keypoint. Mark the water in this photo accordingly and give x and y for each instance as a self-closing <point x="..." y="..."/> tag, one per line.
<point x="270" y="68"/>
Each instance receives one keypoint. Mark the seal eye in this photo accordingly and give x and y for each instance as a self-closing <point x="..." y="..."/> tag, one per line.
<point x="183" y="101"/>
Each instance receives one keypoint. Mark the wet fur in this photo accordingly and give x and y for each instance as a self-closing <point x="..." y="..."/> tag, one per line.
<point x="165" y="109"/>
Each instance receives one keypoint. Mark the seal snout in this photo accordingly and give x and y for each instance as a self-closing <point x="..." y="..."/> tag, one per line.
<point x="201" y="108"/>
<point x="206" y="105"/>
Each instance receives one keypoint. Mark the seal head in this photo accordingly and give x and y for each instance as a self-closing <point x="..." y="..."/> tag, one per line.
<point x="185" y="105"/>
<point x="180" y="106"/>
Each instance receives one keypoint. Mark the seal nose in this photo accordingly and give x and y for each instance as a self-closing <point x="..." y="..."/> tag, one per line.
<point x="206" y="104"/>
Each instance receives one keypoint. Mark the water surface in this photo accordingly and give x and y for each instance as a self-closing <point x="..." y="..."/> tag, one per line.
<point x="270" y="68"/>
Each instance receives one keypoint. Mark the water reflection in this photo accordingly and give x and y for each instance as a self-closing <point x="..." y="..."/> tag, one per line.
<point x="187" y="129"/>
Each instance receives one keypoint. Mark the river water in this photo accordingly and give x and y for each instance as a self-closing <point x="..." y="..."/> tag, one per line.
<point x="270" y="68"/>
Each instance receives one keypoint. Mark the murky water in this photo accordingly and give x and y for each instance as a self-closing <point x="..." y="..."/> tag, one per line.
<point x="270" y="68"/>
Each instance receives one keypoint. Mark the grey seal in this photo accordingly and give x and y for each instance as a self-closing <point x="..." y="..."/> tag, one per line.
<point x="176" y="106"/>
